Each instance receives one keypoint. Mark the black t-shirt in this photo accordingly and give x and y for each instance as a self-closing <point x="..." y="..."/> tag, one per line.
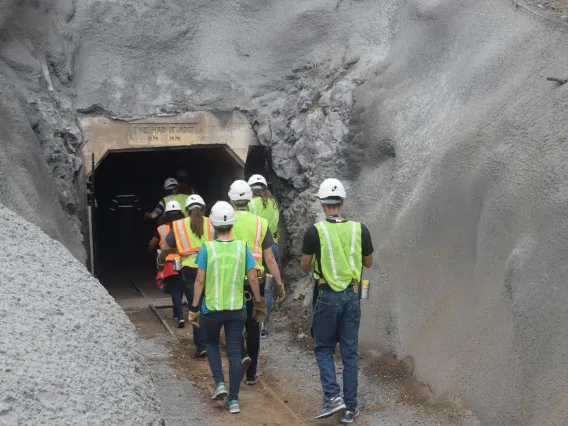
<point x="311" y="243"/>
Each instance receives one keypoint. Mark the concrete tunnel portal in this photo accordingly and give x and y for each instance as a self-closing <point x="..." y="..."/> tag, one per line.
<point x="135" y="157"/>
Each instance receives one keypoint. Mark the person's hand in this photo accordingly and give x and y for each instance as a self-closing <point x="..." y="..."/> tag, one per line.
<point x="161" y="266"/>
<point x="279" y="293"/>
<point x="193" y="318"/>
<point x="259" y="310"/>
<point x="149" y="215"/>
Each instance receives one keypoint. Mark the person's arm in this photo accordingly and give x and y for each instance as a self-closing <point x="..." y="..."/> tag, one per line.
<point x="170" y="247"/>
<point x="366" y="247"/>
<point x="272" y="265"/>
<point x="198" y="288"/>
<point x="307" y="262"/>
<point x="157" y="211"/>
<point x="153" y="244"/>
<point x="309" y="247"/>
<point x="254" y="286"/>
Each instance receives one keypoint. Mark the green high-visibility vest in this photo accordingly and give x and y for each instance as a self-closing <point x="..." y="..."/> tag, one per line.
<point x="341" y="257"/>
<point x="187" y="242"/>
<point x="180" y="198"/>
<point x="270" y="213"/>
<point x="225" y="275"/>
<point x="251" y="229"/>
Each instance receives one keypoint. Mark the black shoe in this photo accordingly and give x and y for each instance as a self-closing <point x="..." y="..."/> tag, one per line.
<point x="181" y="323"/>
<point x="246" y="364"/>
<point x="200" y="353"/>
<point x="252" y="379"/>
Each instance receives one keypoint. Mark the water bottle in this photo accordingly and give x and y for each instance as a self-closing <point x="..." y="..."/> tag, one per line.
<point x="268" y="282"/>
<point x="364" y="289"/>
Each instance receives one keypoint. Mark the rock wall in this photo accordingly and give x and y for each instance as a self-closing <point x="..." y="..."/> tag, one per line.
<point x="40" y="142"/>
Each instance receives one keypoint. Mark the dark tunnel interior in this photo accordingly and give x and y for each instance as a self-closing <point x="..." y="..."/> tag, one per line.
<point x="121" y="236"/>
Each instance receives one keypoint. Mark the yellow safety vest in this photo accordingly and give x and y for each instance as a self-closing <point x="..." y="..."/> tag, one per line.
<point x="251" y="229"/>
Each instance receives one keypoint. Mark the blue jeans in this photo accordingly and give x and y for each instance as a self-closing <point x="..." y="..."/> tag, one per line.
<point x="268" y="294"/>
<point x="336" y="319"/>
<point x="185" y="286"/>
<point x="233" y="322"/>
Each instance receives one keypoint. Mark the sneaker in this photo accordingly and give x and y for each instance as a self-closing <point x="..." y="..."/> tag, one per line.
<point x="232" y="406"/>
<point x="349" y="415"/>
<point x="252" y="379"/>
<point x="246" y="364"/>
<point x="330" y="407"/>
<point x="263" y="331"/>
<point x="220" y="392"/>
<point x="181" y="323"/>
<point x="200" y="353"/>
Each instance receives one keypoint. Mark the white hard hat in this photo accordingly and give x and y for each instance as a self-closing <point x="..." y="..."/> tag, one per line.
<point x="170" y="183"/>
<point x="240" y="191"/>
<point x="257" y="180"/>
<point x="172" y="206"/>
<point x="222" y="213"/>
<point x="194" y="200"/>
<point x="331" y="188"/>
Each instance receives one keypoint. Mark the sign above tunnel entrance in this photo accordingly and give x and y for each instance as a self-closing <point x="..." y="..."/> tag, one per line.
<point x="190" y="129"/>
<point x="163" y="134"/>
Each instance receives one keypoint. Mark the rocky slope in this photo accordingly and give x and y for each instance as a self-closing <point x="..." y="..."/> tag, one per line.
<point x="436" y="113"/>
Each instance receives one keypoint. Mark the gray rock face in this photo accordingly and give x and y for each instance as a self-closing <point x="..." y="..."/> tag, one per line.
<point x="435" y="113"/>
<point x="40" y="143"/>
<point x="68" y="353"/>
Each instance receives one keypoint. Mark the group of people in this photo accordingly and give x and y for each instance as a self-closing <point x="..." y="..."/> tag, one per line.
<point x="226" y="264"/>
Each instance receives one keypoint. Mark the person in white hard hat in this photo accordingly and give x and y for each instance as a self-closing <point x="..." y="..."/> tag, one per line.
<point x="265" y="205"/>
<point x="171" y="187"/>
<point x="339" y="248"/>
<point x="223" y="265"/>
<point x="172" y="282"/>
<point x="186" y="238"/>
<point x="255" y="231"/>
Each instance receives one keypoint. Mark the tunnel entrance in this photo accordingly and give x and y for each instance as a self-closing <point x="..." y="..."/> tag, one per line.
<point x="136" y="178"/>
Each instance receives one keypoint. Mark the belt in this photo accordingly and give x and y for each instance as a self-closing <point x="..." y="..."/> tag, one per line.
<point x="323" y="285"/>
<point x="260" y="281"/>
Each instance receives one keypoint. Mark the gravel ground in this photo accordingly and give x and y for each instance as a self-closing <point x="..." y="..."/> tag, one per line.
<point x="290" y="366"/>
<point x="68" y="353"/>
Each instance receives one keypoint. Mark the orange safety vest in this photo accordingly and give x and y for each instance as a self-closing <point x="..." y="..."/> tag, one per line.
<point x="164" y="230"/>
<point x="188" y="244"/>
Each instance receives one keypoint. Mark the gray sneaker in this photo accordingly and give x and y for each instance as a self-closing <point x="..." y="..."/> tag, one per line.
<point x="246" y="364"/>
<point x="330" y="407"/>
<point x="232" y="406"/>
<point x="220" y="392"/>
<point x="349" y="415"/>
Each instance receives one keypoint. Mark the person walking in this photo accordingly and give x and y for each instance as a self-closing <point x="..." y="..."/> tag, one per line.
<point x="264" y="204"/>
<point x="173" y="283"/>
<point x="341" y="248"/>
<point x="222" y="267"/>
<point x="171" y="186"/>
<point x="186" y="238"/>
<point x="255" y="231"/>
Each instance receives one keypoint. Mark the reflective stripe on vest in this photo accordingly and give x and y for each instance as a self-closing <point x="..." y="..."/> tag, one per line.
<point x="164" y="230"/>
<point x="188" y="244"/>
<point x="225" y="274"/>
<point x="270" y="213"/>
<point x="251" y="229"/>
<point x="341" y="257"/>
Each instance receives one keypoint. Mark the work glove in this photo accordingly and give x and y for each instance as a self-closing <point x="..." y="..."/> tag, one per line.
<point x="193" y="318"/>
<point x="279" y="293"/>
<point x="259" y="310"/>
